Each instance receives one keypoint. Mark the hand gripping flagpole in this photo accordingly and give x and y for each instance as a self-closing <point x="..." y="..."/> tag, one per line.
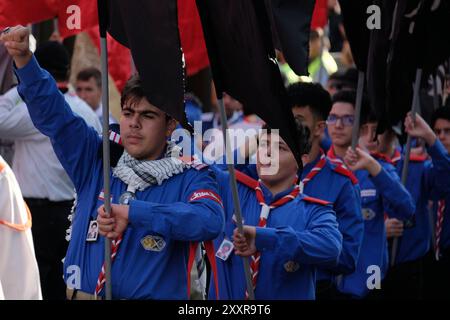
<point x="414" y="109"/>
<point x="233" y="183"/>
<point x="102" y="17"/>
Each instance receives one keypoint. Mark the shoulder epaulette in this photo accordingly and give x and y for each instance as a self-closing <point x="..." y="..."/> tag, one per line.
<point x="317" y="201"/>
<point x="339" y="168"/>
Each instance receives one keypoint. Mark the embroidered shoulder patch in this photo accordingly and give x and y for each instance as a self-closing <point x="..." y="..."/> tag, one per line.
<point x="205" y="194"/>
<point x="153" y="243"/>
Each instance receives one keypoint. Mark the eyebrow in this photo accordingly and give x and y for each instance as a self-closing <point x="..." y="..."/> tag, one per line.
<point x="145" y="112"/>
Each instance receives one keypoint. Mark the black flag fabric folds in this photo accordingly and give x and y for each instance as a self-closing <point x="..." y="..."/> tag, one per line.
<point x="413" y="34"/>
<point x="149" y="28"/>
<point x="419" y="40"/>
<point x="292" y="22"/>
<point x="240" y="48"/>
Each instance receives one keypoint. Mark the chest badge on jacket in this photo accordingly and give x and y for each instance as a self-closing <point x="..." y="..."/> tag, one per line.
<point x="153" y="243"/>
<point x="368" y="214"/>
<point x="291" y="266"/>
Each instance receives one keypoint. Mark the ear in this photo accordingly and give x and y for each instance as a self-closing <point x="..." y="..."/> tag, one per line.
<point x="171" y="126"/>
<point x="320" y="128"/>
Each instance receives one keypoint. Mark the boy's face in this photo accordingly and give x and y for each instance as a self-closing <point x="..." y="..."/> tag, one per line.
<point x="340" y="130"/>
<point x="275" y="161"/>
<point x="442" y="130"/>
<point x="367" y="136"/>
<point x="144" y="130"/>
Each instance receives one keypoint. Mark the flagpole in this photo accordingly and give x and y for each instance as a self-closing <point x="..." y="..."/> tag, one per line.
<point x="414" y="109"/>
<point x="105" y="139"/>
<point x="234" y="190"/>
<point x="359" y="96"/>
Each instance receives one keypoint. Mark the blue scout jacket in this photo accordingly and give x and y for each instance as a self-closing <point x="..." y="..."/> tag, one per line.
<point x="379" y="195"/>
<point x="300" y="236"/>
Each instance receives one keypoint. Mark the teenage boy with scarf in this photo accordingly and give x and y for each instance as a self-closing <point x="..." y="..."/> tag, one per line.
<point x="175" y="202"/>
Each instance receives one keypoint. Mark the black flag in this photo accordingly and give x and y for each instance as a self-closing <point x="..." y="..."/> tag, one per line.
<point x="150" y="29"/>
<point x="292" y="24"/>
<point x="419" y="40"/>
<point x="354" y="14"/>
<point x="240" y="49"/>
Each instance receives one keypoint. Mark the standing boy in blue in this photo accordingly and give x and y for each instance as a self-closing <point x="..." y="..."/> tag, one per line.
<point x="381" y="191"/>
<point x="428" y="178"/>
<point x="287" y="235"/>
<point x="328" y="181"/>
<point x="165" y="203"/>
<point x="440" y="275"/>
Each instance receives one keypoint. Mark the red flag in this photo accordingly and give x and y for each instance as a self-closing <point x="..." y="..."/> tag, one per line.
<point x="73" y="16"/>
<point x="320" y="15"/>
<point x="191" y="36"/>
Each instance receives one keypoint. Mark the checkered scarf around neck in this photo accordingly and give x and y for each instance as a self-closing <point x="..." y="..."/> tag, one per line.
<point x="140" y="174"/>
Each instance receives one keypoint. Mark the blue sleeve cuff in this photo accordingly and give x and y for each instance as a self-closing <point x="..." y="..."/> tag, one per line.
<point x="30" y="72"/>
<point x="266" y="238"/>
<point x="437" y="149"/>
<point x="140" y="213"/>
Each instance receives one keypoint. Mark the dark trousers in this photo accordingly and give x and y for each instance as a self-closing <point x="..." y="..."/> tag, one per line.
<point x="326" y="290"/>
<point x="50" y="222"/>
<point x="405" y="280"/>
<point x="437" y="275"/>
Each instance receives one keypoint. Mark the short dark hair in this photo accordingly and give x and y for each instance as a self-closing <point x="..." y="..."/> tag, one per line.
<point x="302" y="94"/>
<point x="88" y="73"/>
<point x="349" y="96"/>
<point x="133" y="92"/>
<point x="54" y="57"/>
<point x="441" y="113"/>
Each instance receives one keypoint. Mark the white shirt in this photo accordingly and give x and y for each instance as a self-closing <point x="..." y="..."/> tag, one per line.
<point x="37" y="169"/>
<point x="99" y="113"/>
<point x="19" y="273"/>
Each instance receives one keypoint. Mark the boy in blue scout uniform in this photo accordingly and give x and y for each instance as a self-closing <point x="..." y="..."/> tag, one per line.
<point x="439" y="274"/>
<point x="287" y="234"/>
<point x="428" y="178"/>
<point x="152" y="233"/>
<point x="328" y="181"/>
<point x="381" y="191"/>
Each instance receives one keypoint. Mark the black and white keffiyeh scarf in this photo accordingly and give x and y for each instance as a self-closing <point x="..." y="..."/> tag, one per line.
<point x="140" y="174"/>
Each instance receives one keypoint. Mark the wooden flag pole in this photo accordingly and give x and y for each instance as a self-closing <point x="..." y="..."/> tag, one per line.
<point x="234" y="190"/>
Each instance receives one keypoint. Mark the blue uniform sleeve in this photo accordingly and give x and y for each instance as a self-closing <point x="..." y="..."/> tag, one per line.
<point x="438" y="175"/>
<point x="198" y="218"/>
<point x="319" y="244"/>
<point x="351" y="226"/>
<point x="397" y="201"/>
<point x="74" y="142"/>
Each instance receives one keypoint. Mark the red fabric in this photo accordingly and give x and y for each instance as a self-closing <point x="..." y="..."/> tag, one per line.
<point x="438" y="230"/>
<point x="320" y="14"/>
<point x="119" y="58"/>
<point x="32" y="11"/>
<point x="256" y="257"/>
<point x="316" y="201"/>
<point x="191" y="36"/>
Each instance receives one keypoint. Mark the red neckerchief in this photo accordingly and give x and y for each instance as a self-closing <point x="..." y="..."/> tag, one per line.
<point x="334" y="158"/>
<point x="314" y="171"/>
<point x="254" y="265"/>
<point x="396" y="157"/>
